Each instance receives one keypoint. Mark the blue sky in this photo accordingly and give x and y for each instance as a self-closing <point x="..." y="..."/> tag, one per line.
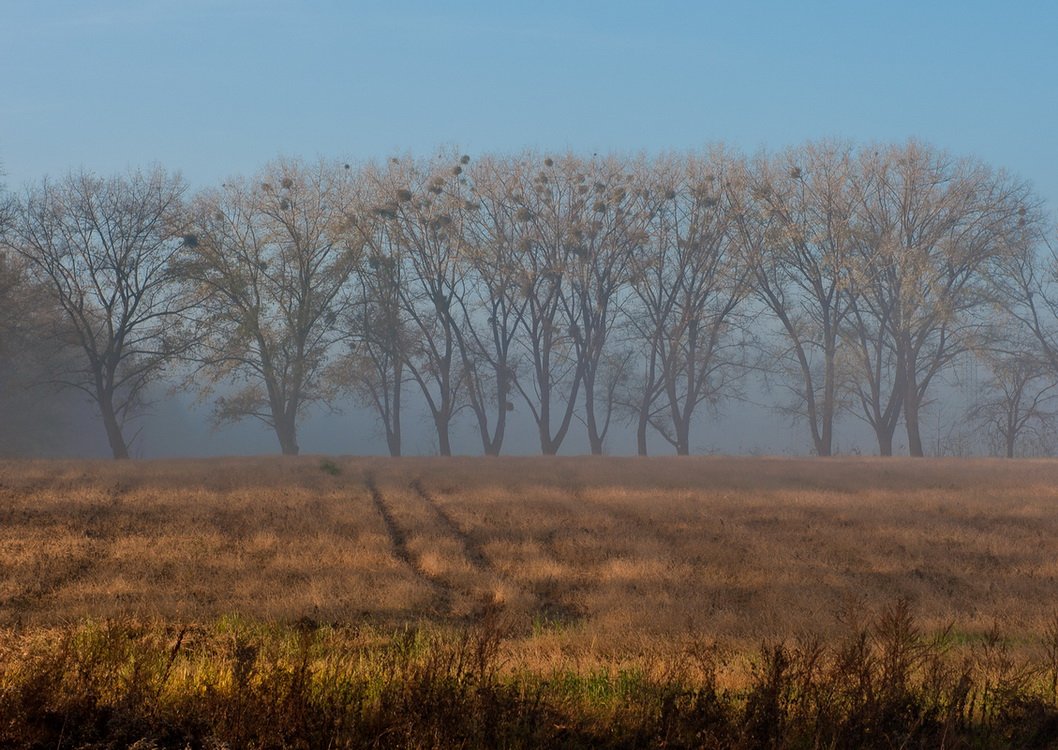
<point x="218" y="88"/>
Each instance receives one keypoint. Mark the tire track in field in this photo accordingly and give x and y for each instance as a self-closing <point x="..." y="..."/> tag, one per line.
<point x="472" y="550"/>
<point x="554" y="599"/>
<point x="398" y="539"/>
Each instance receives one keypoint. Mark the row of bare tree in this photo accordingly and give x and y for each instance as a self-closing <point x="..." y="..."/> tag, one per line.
<point x="586" y="290"/>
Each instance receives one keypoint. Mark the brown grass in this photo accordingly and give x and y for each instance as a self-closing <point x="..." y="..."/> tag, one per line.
<point x="773" y="578"/>
<point x="602" y="550"/>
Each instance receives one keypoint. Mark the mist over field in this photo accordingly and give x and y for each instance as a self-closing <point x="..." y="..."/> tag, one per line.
<point x="177" y="426"/>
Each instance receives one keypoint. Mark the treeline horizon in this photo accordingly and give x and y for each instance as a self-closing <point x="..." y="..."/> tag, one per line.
<point x="588" y="291"/>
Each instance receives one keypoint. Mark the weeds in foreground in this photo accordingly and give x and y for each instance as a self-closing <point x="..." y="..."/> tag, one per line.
<point x="248" y="684"/>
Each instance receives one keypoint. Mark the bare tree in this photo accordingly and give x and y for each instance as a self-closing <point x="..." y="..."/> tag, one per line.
<point x="104" y="250"/>
<point x="493" y="309"/>
<point x="688" y="283"/>
<point x="1024" y="354"/>
<point x="876" y="364"/>
<point x="1019" y="399"/>
<point x="608" y="232"/>
<point x="377" y="341"/>
<point x="933" y="229"/>
<point x="419" y="209"/>
<point x="792" y="212"/>
<point x="552" y="204"/>
<point x="271" y="258"/>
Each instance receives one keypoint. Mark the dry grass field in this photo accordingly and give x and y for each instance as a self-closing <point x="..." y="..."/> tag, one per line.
<point x="609" y="549"/>
<point x="593" y="566"/>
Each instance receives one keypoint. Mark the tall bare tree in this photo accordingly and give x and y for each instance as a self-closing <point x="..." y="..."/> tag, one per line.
<point x="378" y="339"/>
<point x="688" y="283"/>
<point x="271" y="258"/>
<point x="103" y="248"/>
<point x="608" y="233"/>
<point x="793" y="213"/>
<point x="876" y="367"/>
<point x="553" y="199"/>
<point x="493" y="310"/>
<point x="420" y="207"/>
<point x="933" y="229"/>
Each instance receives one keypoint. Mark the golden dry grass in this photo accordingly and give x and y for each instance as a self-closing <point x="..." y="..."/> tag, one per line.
<point x="587" y="556"/>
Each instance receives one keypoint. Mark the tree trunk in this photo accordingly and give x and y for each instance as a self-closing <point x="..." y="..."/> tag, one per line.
<point x="548" y="445"/>
<point x="444" y="441"/>
<point x="288" y="443"/>
<point x="393" y="441"/>
<point x="110" y="421"/>
<point x="543" y="425"/>
<point x="825" y="446"/>
<point x="492" y="445"/>
<point x="885" y="439"/>
<point x="594" y="439"/>
<point x="287" y="432"/>
<point x="914" y="435"/>
<point x="683" y="436"/>
<point x="641" y="433"/>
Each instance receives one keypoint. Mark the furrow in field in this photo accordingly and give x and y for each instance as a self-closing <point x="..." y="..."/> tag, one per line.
<point x="495" y="583"/>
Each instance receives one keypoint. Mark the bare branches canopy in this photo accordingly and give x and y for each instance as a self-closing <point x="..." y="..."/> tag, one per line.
<point x="557" y="292"/>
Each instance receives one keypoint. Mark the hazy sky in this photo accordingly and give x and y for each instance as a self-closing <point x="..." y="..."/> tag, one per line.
<point x="218" y="87"/>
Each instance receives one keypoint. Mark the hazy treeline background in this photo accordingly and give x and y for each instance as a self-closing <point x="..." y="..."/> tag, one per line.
<point x="828" y="298"/>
